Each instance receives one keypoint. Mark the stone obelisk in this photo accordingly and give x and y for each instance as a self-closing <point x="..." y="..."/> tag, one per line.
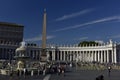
<point x="43" y="51"/>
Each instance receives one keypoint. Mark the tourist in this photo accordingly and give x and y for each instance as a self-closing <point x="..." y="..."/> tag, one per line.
<point x="70" y="65"/>
<point x="32" y="73"/>
<point x="24" y="70"/>
<point x="63" y="71"/>
<point x="59" y="70"/>
<point x="18" y="72"/>
<point x="109" y="70"/>
<point x="44" y="71"/>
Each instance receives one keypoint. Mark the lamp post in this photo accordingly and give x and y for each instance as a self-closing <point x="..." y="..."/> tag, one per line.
<point x="10" y="57"/>
<point x="9" y="52"/>
<point x="76" y="61"/>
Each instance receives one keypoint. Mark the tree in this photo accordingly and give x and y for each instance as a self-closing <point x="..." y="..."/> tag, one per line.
<point x="87" y="43"/>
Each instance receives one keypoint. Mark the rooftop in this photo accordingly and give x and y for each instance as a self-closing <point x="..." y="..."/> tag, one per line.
<point x="10" y="24"/>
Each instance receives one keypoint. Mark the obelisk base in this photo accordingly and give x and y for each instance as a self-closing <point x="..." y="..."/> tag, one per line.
<point x="43" y="56"/>
<point x="43" y="59"/>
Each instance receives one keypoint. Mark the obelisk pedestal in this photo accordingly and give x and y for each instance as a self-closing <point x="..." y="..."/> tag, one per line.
<point x="43" y="56"/>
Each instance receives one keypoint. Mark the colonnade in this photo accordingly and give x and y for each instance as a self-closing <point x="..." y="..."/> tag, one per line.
<point x="34" y="54"/>
<point x="101" y="56"/>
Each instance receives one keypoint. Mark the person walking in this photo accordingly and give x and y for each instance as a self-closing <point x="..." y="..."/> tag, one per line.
<point x="32" y="73"/>
<point x="109" y="71"/>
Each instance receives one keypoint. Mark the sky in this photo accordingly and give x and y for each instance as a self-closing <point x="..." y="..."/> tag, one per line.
<point x="68" y="21"/>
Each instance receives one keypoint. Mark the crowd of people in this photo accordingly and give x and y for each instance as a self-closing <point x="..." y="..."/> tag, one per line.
<point x="41" y="70"/>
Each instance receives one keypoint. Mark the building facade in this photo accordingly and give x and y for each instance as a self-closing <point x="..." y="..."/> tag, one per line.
<point x="10" y="36"/>
<point x="102" y="53"/>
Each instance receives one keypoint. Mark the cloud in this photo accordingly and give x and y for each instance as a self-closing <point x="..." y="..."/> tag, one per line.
<point x="115" y="36"/>
<point x="82" y="38"/>
<point x="99" y="41"/>
<point x="38" y="38"/>
<point x="74" y="15"/>
<point x="107" y="19"/>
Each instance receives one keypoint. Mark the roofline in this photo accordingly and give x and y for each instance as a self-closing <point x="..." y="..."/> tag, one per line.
<point x="11" y="24"/>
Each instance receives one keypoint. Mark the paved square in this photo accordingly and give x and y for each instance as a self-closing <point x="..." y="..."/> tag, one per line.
<point x="71" y="75"/>
<point x="87" y="75"/>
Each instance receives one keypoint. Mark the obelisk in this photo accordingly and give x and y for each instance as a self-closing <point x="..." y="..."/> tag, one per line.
<point x="43" y="51"/>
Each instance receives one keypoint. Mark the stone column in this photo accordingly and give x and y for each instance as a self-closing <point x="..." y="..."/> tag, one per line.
<point x="80" y="55"/>
<point x="112" y="54"/>
<point x="115" y="59"/>
<point x="88" y="56"/>
<point x="70" y="56"/>
<point x="67" y="55"/>
<point x="74" y="53"/>
<point x="107" y="56"/>
<point x="57" y="54"/>
<point x="98" y="56"/>
<point x="53" y="55"/>
<point x="84" y="57"/>
<point x="101" y="56"/>
<point x="61" y="55"/>
<point x="64" y="55"/>
<point x="92" y="56"/>
<point x="95" y="56"/>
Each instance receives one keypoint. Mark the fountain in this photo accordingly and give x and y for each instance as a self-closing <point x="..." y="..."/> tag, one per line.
<point x="21" y="56"/>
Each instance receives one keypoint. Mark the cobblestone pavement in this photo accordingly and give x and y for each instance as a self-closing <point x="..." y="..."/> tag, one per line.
<point x="14" y="77"/>
<point x="87" y="75"/>
<point x="71" y="75"/>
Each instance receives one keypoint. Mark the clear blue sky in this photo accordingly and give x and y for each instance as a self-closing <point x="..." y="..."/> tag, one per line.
<point x="68" y="21"/>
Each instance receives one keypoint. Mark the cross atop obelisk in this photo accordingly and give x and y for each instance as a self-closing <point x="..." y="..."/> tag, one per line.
<point x="43" y="51"/>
